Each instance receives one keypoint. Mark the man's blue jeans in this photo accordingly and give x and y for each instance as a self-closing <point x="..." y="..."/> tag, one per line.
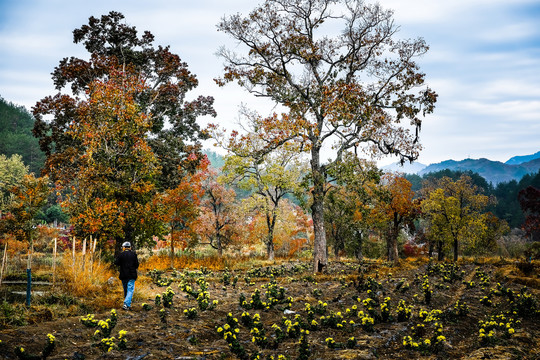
<point x="129" y="287"/>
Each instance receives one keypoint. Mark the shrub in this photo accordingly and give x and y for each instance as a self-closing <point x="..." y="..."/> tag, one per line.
<point x="190" y="313"/>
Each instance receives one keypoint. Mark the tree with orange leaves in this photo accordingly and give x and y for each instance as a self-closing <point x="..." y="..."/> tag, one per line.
<point x="395" y="208"/>
<point x="291" y="229"/>
<point x="353" y="90"/>
<point x="119" y="130"/>
<point x="219" y="219"/>
<point x="28" y="197"/>
<point x="180" y="206"/>
<point x="111" y="189"/>
<point x="111" y="43"/>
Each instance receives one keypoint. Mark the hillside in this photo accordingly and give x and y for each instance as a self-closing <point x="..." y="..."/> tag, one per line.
<point x="16" y="137"/>
<point x="493" y="171"/>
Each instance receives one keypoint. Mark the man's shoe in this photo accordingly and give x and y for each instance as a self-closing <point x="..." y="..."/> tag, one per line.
<point x="125" y="307"/>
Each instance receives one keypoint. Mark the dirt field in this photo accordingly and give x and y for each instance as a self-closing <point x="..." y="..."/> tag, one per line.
<point x="486" y="292"/>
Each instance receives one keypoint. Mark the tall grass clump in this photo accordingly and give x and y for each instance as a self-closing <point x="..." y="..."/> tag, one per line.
<point x="83" y="277"/>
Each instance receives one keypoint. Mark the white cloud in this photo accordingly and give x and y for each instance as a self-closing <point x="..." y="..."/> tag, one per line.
<point x="502" y="89"/>
<point x="509" y="32"/>
<point x="483" y="62"/>
<point x="518" y="110"/>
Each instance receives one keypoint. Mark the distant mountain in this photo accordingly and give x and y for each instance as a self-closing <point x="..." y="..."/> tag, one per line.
<point x="516" y="160"/>
<point x="407" y="168"/>
<point x="493" y="171"/>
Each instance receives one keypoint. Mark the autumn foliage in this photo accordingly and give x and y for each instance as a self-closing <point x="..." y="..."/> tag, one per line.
<point x="454" y="210"/>
<point x="27" y="199"/>
<point x="353" y="91"/>
<point x="111" y="189"/>
<point x="180" y="206"/>
<point x="220" y="222"/>
<point x="124" y="153"/>
<point x="395" y="208"/>
<point x="122" y="134"/>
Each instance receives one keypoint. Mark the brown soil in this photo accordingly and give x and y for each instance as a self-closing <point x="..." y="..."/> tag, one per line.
<point x="180" y="338"/>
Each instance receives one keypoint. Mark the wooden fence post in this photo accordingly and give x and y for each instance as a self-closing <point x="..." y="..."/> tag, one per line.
<point x="83" y="254"/>
<point x="54" y="260"/>
<point x="73" y="265"/>
<point x="91" y="254"/>
<point x="4" y="258"/>
<point x="29" y="273"/>
<point x="73" y="241"/>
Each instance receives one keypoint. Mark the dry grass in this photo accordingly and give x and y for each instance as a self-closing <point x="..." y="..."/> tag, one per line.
<point x="84" y="278"/>
<point x="163" y="262"/>
<point x="209" y="261"/>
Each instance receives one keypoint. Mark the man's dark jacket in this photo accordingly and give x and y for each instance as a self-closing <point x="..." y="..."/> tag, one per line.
<point x="128" y="265"/>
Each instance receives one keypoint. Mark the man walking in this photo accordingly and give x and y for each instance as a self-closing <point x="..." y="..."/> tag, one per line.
<point x="128" y="262"/>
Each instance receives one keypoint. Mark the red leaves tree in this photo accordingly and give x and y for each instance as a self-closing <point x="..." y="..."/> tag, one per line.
<point x="290" y="233"/>
<point x="353" y="90"/>
<point x="219" y="220"/>
<point x="180" y="206"/>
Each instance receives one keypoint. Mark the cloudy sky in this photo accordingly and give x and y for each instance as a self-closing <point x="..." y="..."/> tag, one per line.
<point x="484" y="61"/>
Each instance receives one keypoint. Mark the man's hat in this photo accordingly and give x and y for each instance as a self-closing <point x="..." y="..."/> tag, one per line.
<point x="127" y="244"/>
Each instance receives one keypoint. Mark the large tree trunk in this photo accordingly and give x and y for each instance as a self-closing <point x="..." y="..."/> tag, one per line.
<point x="219" y="245"/>
<point x="392" y="247"/>
<point x="440" y="254"/>
<point x="455" y="249"/>
<point x="320" y="256"/>
<point x="219" y="248"/>
<point x="358" y="249"/>
<point x="320" y="259"/>
<point x="271" y="223"/>
<point x="337" y="247"/>
<point x="270" y="250"/>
